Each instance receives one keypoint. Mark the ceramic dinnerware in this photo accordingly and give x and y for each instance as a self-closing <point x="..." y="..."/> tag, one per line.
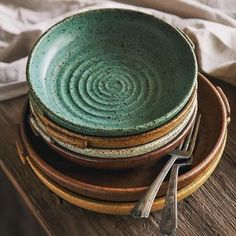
<point x="89" y="75"/>
<point x="130" y="184"/>
<point x="117" y="163"/>
<point x="118" y="208"/>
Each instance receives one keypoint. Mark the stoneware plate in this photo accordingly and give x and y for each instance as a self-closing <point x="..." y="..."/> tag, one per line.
<point x="115" y="163"/>
<point x="112" y="72"/>
<point x="82" y="141"/>
<point x="116" y="153"/>
<point x="123" y="208"/>
<point x="130" y="185"/>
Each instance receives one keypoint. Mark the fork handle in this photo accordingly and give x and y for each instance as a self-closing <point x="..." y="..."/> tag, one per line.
<point x="168" y="223"/>
<point x="143" y="207"/>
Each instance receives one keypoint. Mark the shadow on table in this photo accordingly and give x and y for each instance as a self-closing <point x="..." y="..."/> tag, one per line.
<point x="15" y="217"/>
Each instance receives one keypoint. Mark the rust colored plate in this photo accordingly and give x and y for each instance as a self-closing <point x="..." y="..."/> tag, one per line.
<point x="119" y="163"/>
<point x="130" y="184"/>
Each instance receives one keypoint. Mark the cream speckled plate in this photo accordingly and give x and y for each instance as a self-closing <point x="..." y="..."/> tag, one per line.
<point x="116" y="153"/>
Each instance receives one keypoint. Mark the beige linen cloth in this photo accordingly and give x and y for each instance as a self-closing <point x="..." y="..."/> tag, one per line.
<point x="209" y="23"/>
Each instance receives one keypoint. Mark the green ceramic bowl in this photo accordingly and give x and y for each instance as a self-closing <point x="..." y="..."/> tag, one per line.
<point x="112" y="72"/>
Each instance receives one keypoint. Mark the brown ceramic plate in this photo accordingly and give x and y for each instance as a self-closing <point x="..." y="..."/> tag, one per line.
<point x="117" y="163"/>
<point x="82" y="141"/>
<point x="123" y="208"/>
<point x="130" y="185"/>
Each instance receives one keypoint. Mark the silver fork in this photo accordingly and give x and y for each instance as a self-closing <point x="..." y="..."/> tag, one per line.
<point x="169" y="215"/>
<point x="143" y="207"/>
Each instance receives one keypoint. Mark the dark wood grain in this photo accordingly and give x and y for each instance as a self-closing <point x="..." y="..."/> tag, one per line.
<point x="209" y="211"/>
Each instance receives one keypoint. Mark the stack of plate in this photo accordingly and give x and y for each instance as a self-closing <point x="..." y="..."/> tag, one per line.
<point x="112" y="89"/>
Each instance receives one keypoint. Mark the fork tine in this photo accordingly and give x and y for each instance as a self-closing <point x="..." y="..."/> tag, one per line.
<point x="195" y="132"/>
<point x="188" y="138"/>
<point x="193" y="137"/>
<point x="180" y="146"/>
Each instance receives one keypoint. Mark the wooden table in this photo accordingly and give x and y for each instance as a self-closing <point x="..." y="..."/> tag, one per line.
<point x="209" y="211"/>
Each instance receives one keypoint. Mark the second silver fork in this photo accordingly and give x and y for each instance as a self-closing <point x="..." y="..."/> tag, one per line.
<point x="169" y="215"/>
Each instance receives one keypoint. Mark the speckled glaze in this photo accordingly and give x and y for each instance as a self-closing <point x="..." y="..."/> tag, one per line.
<point x="116" y="153"/>
<point x="112" y="72"/>
<point x="81" y="141"/>
<point x="130" y="185"/>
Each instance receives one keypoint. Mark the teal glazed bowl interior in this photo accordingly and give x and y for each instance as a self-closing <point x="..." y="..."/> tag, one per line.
<point x="111" y="72"/>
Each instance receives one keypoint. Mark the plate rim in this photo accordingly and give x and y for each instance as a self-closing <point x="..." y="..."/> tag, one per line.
<point x="124" y="208"/>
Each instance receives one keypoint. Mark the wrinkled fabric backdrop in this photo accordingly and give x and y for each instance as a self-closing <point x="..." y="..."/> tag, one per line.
<point x="210" y="24"/>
